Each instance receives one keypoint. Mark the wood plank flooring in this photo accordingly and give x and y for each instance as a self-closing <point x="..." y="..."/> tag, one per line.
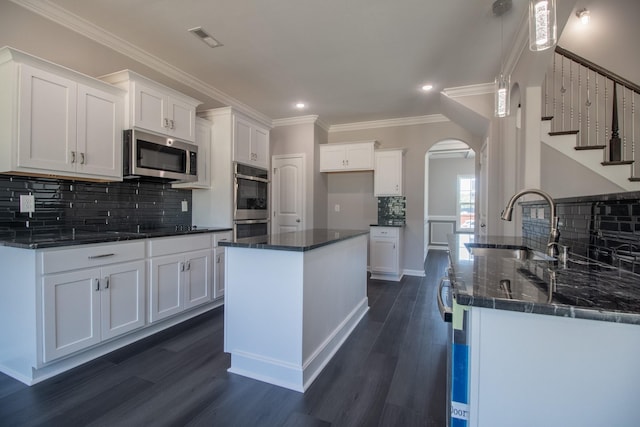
<point x="390" y="372"/>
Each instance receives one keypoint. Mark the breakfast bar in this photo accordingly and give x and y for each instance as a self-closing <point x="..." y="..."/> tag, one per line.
<point x="291" y="300"/>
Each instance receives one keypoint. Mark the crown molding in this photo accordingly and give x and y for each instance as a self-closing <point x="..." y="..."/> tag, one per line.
<point x="83" y="27"/>
<point x="471" y="90"/>
<point x="405" y="121"/>
<point x="300" y="120"/>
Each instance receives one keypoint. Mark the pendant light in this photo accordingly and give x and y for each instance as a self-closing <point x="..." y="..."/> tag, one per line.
<point x="542" y="24"/>
<point x="502" y="81"/>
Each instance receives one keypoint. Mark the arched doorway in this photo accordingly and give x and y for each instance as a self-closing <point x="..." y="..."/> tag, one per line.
<point x="450" y="192"/>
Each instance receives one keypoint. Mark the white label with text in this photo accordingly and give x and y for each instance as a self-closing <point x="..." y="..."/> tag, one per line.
<point x="460" y="411"/>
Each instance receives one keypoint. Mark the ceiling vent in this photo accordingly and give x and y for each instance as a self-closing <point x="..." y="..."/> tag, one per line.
<point x="205" y="37"/>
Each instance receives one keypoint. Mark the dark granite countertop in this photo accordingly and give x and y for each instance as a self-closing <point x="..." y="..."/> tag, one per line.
<point x="64" y="237"/>
<point x="583" y="288"/>
<point x="298" y="241"/>
<point x="392" y="223"/>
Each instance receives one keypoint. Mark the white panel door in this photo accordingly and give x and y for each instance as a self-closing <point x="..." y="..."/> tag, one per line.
<point x="198" y="277"/>
<point x="359" y="156"/>
<point x="122" y="298"/>
<point x="332" y="157"/>
<point x="99" y="140"/>
<point x="183" y="118"/>
<point x="288" y="193"/>
<point x="166" y="297"/>
<point x="71" y="312"/>
<point x="47" y="121"/>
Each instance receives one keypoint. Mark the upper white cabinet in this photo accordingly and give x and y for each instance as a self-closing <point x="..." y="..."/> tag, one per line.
<point x="388" y="173"/>
<point x="203" y="141"/>
<point x="353" y="156"/>
<point x="156" y="108"/>
<point x="58" y="122"/>
<point x="251" y="143"/>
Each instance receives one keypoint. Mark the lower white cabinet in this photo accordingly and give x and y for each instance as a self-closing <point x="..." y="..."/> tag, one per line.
<point x="180" y="277"/>
<point x="385" y="249"/>
<point x="84" y="307"/>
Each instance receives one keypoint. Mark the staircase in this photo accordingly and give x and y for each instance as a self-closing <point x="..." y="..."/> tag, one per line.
<point x="589" y="114"/>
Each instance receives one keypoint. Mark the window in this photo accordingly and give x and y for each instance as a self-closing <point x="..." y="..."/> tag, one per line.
<point x="466" y="203"/>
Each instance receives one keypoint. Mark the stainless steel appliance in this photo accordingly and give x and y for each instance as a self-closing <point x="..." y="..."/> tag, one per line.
<point x="147" y="154"/>
<point x="251" y="207"/>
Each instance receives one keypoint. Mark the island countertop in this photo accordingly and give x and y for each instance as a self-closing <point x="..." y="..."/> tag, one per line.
<point x="578" y="288"/>
<point x="298" y="241"/>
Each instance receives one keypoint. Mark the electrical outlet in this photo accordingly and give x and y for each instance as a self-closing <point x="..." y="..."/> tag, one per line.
<point x="185" y="206"/>
<point x="27" y="203"/>
<point x="336" y="208"/>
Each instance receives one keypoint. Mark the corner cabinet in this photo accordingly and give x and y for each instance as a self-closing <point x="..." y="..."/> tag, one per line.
<point x="385" y="250"/>
<point x="156" y="108"/>
<point x="388" y="173"/>
<point x="250" y="143"/>
<point x="346" y="157"/>
<point x="58" y="122"/>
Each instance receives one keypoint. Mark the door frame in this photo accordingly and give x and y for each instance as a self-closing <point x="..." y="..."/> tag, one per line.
<point x="303" y="214"/>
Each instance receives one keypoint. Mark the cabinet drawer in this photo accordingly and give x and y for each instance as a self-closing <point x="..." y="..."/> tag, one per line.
<point x="226" y="236"/>
<point x="173" y="245"/>
<point x="384" y="232"/>
<point x="54" y="261"/>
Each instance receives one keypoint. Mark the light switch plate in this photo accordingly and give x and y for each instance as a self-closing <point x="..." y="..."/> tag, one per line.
<point x="185" y="206"/>
<point x="27" y="203"/>
<point x="336" y="208"/>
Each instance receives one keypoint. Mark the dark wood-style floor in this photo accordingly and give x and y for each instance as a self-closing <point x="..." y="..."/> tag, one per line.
<point x="390" y="372"/>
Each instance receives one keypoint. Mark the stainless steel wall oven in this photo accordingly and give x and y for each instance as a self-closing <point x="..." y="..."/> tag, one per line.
<point x="251" y="201"/>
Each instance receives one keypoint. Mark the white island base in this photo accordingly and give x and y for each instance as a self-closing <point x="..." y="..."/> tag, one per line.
<point x="288" y="311"/>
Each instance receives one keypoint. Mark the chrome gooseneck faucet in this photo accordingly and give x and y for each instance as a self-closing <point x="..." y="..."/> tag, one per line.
<point x="554" y="235"/>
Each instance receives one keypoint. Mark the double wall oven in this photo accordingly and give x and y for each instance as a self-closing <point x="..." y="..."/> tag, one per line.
<point x="251" y="195"/>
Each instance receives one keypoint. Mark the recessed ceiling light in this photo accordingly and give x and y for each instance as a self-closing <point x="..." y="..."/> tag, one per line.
<point x="427" y="88"/>
<point x="205" y="37"/>
<point x="301" y="105"/>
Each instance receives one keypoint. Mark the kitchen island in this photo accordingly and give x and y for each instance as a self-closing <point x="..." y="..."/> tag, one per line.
<point x="539" y="341"/>
<point x="291" y="300"/>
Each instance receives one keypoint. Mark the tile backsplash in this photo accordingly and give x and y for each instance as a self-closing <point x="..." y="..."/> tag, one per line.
<point x="63" y="204"/>
<point x="605" y="228"/>
<point x="392" y="210"/>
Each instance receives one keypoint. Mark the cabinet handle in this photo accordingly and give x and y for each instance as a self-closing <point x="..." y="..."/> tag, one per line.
<point x="82" y="158"/>
<point x="188" y="265"/>
<point x="166" y="122"/>
<point x="73" y="157"/>
<point x="106" y="282"/>
<point x="172" y="124"/>
<point x="218" y="260"/>
<point x="182" y="266"/>
<point x="100" y="256"/>
<point x="97" y="284"/>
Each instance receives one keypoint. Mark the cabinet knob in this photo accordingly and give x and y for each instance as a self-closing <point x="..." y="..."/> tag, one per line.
<point x="97" y="284"/>
<point x="182" y="266"/>
<point x="188" y="265"/>
<point x="73" y="157"/>
<point x="106" y="282"/>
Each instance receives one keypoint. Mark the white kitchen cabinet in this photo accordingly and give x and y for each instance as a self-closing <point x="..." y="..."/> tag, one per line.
<point x="251" y="143"/>
<point x="388" y="173"/>
<point x="180" y="271"/>
<point x="67" y="124"/>
<point x="203" y="141"/>
<point x="218" y="262"/>
<point x="354" y="156"/>
<point x="154" y="107"/>
<point x="385" y="249"/>
<point x="82" y="307"/>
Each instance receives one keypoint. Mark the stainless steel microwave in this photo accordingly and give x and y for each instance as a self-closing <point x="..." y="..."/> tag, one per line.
<point x="147" y="154"/>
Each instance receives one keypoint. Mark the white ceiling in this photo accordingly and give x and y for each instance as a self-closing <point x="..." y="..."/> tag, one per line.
<point x="349" y="60"/>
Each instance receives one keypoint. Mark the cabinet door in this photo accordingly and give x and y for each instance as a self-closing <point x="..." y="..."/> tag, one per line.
<point x="71" y="312"/>
<point x="332" y="158"/>
<point x="384" y="255"/>
<point x="198" y="277"/>
<point x="122" y="298"/>
<point x="242" y="141"/>
<point x="388" y="173"/>
<point x="359" y="157"/>
<point x="47" y="121"/>
<point x="99" y="140"/>
<point x="165" y="296"/>
<point x="203" y="141"/>
<point x="149" y="108"/>
<point x="219" y="273"/>
<point x="260" y="147"/>
<point x="182" y="118"/>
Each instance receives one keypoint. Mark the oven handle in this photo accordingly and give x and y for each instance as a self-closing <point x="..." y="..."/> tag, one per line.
<point x="251" y="178"/>
<point x="445" y="311"/>
<point x="251" y="221"/>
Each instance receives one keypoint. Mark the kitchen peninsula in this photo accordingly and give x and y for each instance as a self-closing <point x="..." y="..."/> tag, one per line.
<point x="291" y="300"/>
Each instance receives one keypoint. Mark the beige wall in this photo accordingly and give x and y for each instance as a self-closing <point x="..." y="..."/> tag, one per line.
<point x="359" y="212"/>
<point x="443" y="184"/>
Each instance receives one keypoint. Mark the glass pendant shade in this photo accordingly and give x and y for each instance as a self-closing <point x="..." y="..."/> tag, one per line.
<point x="542" y="24"/>
<point x="502" y="84"/>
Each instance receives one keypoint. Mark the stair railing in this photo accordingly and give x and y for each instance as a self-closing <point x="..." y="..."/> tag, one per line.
<point x="600" y="106"/>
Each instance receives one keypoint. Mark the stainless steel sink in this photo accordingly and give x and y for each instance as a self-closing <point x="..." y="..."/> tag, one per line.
<point x="520" y="253"/>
